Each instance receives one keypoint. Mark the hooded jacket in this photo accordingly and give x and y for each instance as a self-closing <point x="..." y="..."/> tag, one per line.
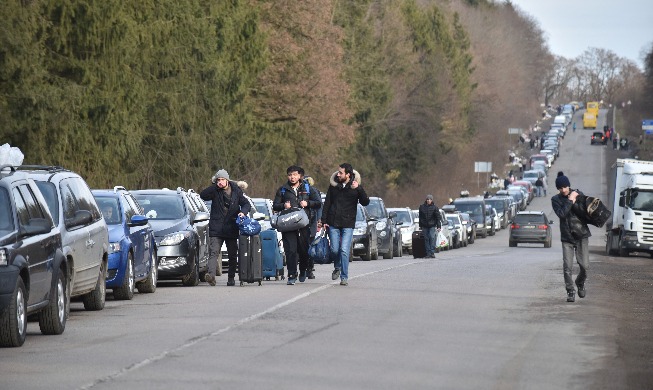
<point x="572" y="217"/>
<point x="223" y="224"/>
<point x="340" y="205"/>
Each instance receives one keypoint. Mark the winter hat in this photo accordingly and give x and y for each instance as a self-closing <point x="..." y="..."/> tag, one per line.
<point x="562" y="181"/>
<point x="429" y="197"/>
<point x="221" y="174"/>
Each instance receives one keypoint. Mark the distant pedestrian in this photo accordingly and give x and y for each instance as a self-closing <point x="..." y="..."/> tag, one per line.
<point x="429" y="222"/>
<point x="339" y="216"/>
<point x="574" y="234"/>
<point x="574" y="127"/>
<point x="539" y="184"/>
<point x="227" y="203"/>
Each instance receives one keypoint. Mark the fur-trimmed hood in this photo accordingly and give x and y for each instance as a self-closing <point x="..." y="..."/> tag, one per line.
<point x="334" y="183"/>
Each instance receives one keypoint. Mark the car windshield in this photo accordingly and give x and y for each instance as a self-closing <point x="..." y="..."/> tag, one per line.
<point x="498" y="204"/>
<point x="641" y="200"/>
<point x="471" y="208"/>
<point x="261" y="207"/>
<point x="109" y="208"/>
<point x="159" y="206"/>
<point x="49" y="191"/>
<point x="403" y="216"/>
<point x="6" y="222"/>
<point x="523" y="219"/>
<point x="375" y="210"/>
<point x="453" y="220"/>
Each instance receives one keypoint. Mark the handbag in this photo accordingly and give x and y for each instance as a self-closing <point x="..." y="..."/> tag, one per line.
<point x="248" y="226"/>
<point x="318" y="251"/>
<point x="597" y="212"/>
<point x="290" y="220"/>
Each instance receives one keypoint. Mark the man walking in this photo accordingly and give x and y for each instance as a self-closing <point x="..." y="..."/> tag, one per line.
<point x="339" y="215"/>
<point x="574" y="235"/>
<point x="429" y="222"/>
<point x="296" y="194"/>
<point x="227" y="203"/>
<point x="314" y="215"/>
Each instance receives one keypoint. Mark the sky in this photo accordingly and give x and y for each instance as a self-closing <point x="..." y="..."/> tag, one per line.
<point x="572" y="26"/>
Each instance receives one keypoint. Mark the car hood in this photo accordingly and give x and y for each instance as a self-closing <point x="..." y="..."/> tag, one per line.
<point x="167" y="226"/>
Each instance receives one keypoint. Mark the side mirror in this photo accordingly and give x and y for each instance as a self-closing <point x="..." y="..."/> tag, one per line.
<point x="259" y="216"/>
<point x="622" y="200"/>
<point x="138" y="220"/>
<point x="36" y="226"/>
<point x="82" y="217"/>
<point x="551" y="222"/>
<point x="392" y="215"/>
<point x="201" y="217"/>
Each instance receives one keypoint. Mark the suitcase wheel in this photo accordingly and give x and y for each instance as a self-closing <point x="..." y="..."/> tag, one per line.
<point x="268" y="278"/>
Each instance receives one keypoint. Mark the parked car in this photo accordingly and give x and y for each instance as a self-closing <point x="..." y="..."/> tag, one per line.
<point x="502" y="206"/>
<point x="33" y="269"/>
<point x="598" y="138"/>
<point x="470" y="225"/>
<point x="530" y="192"/>
<point x="385" y="226"/>
<point x="416" y="217"/>
<point x="475" y="207"/>
<point x="530" y="227"/>
<point x="180" y="221"/>
<point x="364" y="242"/>
<point x="84" y="234"/>
<point x="456" y="222"/>
<point x="132" y="247"/>
<point x="407" y="226"/>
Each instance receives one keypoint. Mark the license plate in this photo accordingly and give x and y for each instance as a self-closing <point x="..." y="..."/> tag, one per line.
<point x="529" y="227"/>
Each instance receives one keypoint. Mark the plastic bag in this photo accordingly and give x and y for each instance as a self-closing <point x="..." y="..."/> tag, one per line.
<point x="442" y="240"/>
<point x="318" y="251"/>
<point x="11" y="155"/>
<point x="248" y="226"/>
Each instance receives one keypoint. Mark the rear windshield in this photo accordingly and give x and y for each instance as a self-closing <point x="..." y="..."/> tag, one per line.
<point x="498" y="204"/>
<point x="375" y="209"/>
<point x="162" y="206"/>
<point x="403" y="216"/>
<point x="527" y="218"/>
<point x="6" y="220"/>
<point x="471" y="208"/>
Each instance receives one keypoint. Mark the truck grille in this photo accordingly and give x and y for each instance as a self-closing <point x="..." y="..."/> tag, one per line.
<point x="646" y="233"/>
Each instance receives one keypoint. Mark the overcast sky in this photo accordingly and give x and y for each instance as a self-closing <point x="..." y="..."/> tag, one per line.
<point x="571" y="26"/>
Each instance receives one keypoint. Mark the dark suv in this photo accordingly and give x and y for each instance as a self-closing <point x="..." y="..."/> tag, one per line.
<point x="180" y="221"/>
<point x="33" y="268"/>
<point x="386" y="229"/>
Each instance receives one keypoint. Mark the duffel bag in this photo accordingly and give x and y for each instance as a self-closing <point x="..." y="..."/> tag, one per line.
<point x="597" y="212"/>
<point x="289" y="220"/>
<point x="318" y="251"/>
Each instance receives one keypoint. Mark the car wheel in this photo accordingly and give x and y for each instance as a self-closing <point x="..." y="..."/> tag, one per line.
<point x="368" y="253"/>
<point x="193" y="277"/>
<point x="13" y="320"/>
<point x="375" y="254"/>
<point x="96" y="298"/>
<point x="512" y="243"/>
<point x="149" y="285"/>
<point x="473" y="237"/>
<point x="126" y="289"/>
<point x="52" y="319"/>
<point x="547" y="243"/>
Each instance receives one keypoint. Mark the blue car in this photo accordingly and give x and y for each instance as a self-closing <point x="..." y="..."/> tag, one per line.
<point x="132" y="247"/>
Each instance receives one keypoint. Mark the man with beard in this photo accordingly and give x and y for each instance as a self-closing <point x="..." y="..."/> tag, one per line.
<point x="227" y="203"/>
<point x="339" y="215"/>
<point x="296" y="194"/>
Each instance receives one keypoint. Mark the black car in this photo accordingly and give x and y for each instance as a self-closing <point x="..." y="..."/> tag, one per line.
<point x="180" y="221"/>
<point x="386" y="228"/>
<point x="530" y="227"/>
<point x="598" y="138"/>
<point x="33" y="270"/>
<point x="364" y="242"/>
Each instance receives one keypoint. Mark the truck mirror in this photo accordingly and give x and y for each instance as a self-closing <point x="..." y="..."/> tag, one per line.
<point x="622" y="201"/>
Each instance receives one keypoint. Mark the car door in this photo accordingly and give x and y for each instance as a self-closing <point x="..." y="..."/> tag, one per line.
<point x="138" y="235"/>
<point x="201" y="228"/>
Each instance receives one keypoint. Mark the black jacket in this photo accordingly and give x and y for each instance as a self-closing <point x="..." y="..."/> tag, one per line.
<point x="572" y="217"/>
<point x="429" y="216"/>
<point x="285" y="193"/>
<point x="223" y="224"/>
<point x="341" y="202"/>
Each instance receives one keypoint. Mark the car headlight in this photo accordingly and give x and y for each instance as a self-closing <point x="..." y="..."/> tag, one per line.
<point x="114" y="247"/>
<point x="360" y="230"/>
<point x="173" y="239"/>
<point x="381" y="225"/>
<point x="3" y="257"/>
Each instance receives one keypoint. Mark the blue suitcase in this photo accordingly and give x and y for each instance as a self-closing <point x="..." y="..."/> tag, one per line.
<point x="272" y="257"/>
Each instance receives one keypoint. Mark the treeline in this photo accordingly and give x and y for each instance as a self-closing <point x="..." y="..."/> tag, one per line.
<point x="162" y="94"/>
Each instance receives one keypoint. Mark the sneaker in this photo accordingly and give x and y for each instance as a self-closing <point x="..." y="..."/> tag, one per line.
<point x="581" y="290"/>
<point x="335" y="274"/>
<point x="571" y="296"/>
<point x="210" y="279"/>
<point x="311" y="275"/>
<point x="302" y="276"/>
<point x="343" y="282"/>
<point x="231" y="282"/>
<point x="291" y="281"/>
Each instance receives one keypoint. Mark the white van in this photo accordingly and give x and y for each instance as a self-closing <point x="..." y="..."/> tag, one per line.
<point x="561" y="119"/>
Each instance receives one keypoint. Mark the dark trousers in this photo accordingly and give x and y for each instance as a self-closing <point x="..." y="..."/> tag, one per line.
<point x="295" y="245"/>
<point x="215" y="246"/>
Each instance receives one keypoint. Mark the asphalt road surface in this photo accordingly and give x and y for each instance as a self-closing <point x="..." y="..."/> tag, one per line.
<point x="482" y="317"/>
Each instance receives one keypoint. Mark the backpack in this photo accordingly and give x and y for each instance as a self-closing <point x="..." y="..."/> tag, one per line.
<point x="306" y="186"/>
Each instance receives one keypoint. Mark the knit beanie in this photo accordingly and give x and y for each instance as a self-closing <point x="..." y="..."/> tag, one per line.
<point x="429" y="197"/>
<point x="221" y="174"/>
<point x="562" y="181"/>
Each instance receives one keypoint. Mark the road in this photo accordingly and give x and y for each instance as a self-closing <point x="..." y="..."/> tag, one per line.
<point x="482" y="317"/>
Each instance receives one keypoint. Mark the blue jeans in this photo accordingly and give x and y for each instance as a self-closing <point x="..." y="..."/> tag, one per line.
<point x="340" y="239"/>
<point x="429" y="240"/>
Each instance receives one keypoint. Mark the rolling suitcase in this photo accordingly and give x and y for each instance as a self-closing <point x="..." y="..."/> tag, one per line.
<point x="419" y="244"/>
<point x="271" y="255"/>
<point x="249" y="259"/>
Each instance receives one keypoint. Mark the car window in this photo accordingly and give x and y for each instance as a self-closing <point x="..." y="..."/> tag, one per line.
<point x="453" y="220"/>
<point x="359" y="215"/>
<point x="471" y="208"/>
<point x="21" y="208"/>
<point x="110" y="210"/>
<point x="77" y="196"/>
<point x="375" y="209"/>
<point x="261" y="207"/>
<point x="33" y="208"/>
<point x="404" y="216"/>
<point x="135" y="207"/>
<point x="49" y="192"/>
<point x="6" y="220"/>
<point x="496" y="203"/>
<point x="529" y="219"/>
<point x="160" y="206"/>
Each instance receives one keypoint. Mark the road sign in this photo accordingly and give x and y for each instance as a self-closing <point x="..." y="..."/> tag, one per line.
<point x="514" y="130"/>
<point x="647" y="125"/>
<point x="482" y="167"/>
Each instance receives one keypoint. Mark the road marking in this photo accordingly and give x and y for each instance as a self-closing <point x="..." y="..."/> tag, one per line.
<point x="237" y="324"/>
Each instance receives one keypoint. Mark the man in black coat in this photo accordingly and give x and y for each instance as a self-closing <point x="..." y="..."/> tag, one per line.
<point x="574" y="234"/>
<point x="227" y="203"/>
<point x="339" y="215"/>
<point x="429" y="222"/>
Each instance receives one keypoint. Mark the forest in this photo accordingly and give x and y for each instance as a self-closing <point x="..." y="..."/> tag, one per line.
<point x="153" y="94"/>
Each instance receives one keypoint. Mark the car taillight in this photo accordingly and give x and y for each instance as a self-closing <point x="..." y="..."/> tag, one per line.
<point x="542" y="227"/>
<point x="514" y="226"/>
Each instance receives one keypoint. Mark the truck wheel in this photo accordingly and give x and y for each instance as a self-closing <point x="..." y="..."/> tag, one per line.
<point x="608" y="245"/>
<point x="13" y="320"/>
<point x="96" y="298"/>
<point x="623" y="252"/>
<point x="52" y="319"/>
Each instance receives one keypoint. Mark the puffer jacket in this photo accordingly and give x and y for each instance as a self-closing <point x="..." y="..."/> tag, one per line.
<point x="572" y="217"/>
<point x="340" y="205"/>
<point x="429" y="216"/>
<point x="223" y="224"/>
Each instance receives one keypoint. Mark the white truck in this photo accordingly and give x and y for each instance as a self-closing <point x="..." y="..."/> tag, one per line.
<point x="631" y="196"/>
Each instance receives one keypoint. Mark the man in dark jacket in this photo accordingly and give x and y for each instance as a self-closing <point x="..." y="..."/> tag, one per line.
<point x="339" y="215"/>
<point x="296" y="194"/>
<point x="429" y="222"/>
<point x="574" y="234"/>
<point x="314" y="215"/>
<point x="227" y="203"/>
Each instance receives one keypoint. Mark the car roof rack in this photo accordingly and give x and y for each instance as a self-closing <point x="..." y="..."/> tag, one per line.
<point x="11" y="168"/>
<point x="49" y="168"/>
<point x="118" y="188"/>
<point x="180" y="190"/>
